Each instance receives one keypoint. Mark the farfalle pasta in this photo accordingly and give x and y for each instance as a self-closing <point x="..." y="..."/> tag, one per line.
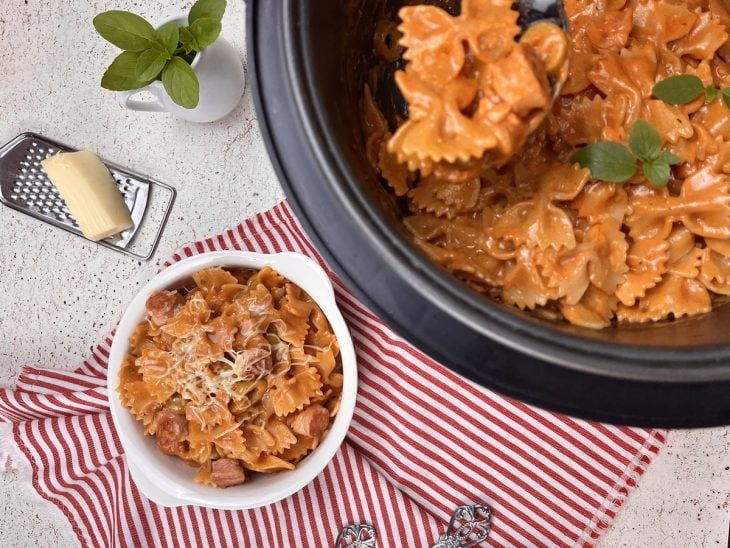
<point x="238" y="372"/>
<point x="473" y="92"/>
<point x="482" y="164"/>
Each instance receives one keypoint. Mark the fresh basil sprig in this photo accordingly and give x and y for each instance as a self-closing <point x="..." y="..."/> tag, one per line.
<point x="181" y="83"/>
<point x="125" y="30"/>
<point x="685" y="88"/>
<point x="121" y="74"/>
<point x="163" y="54"/>
<point x="212" y="9"/>
<point x="614" y="163"/>
<point x="608" y="161"/>
<point x="169" y="35"/>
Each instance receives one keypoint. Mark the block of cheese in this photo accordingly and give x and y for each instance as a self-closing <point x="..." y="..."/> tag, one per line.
<point x="88" y="189"/>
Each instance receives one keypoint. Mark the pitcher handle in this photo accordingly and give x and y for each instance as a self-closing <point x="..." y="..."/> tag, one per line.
<point x="125" y="100"/>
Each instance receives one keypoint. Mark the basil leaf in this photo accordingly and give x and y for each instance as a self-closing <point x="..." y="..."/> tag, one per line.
<point x="188" y="40"/>
<point x="169" y="35"/>
<point x="711" y="93"/>
<point x="121" y="74"/>
<point x="679" y="90"/>
<point x="181" y="83"/>
<point x="645" y="141"/>
<point x="668" y="158"/>
<point x="656" y="172"/>
<point x="150" y="63"/>
<point x="213" y="9"/>
<point x="206" y="31"/>
<point x="726" y="97"/>
<point x="607" y="161"/>
<point x="125" y="30"/>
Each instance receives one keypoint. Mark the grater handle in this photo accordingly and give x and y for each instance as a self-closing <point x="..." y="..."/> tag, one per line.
<point x="125" y="99"/>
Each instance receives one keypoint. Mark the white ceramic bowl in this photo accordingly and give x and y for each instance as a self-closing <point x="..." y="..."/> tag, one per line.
<point x="168" y="480"/>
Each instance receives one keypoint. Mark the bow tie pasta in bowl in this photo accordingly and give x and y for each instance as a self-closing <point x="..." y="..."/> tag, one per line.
<point x="232" y="379"/>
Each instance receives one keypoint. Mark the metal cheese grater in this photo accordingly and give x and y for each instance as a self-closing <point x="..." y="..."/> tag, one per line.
<point x="25" y="187"/>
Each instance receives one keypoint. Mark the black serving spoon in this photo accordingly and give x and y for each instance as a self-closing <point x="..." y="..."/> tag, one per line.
<point x="536" y="11"/>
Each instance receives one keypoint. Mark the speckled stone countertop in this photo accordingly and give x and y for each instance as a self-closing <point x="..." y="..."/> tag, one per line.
<point x="61" y="294"/>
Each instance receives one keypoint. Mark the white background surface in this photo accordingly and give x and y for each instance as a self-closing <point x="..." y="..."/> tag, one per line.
<point x="60" y="294"/>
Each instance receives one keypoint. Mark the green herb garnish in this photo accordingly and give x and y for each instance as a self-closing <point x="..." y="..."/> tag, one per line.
<point x="608" y="161"/>
<point x="163" y="54"/>
<point x="615" y="163"/>
<point x="211" y="9"/>
<point x="685" y="88"/>
<point x="645" y="141"/>
<point x="726" y="97"/>
<point x="125" y="30"/>
<point x="121" y="74"/>
<point x="181" y="83"/>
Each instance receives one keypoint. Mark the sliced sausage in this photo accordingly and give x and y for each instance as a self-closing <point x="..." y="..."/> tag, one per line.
<point x="254" y="362"/>
<point x="520" y="80"/>
<point x="172" y="432"/>
<point x="162" y="306"/>
<point x="227" y="472"/>
<point x="312" y="422"/>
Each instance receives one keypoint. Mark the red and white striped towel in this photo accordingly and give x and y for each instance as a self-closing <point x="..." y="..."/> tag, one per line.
<point x="423" y="441"/>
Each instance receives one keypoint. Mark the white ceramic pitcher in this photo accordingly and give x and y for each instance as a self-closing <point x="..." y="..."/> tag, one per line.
<point x="221" y="77"/>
